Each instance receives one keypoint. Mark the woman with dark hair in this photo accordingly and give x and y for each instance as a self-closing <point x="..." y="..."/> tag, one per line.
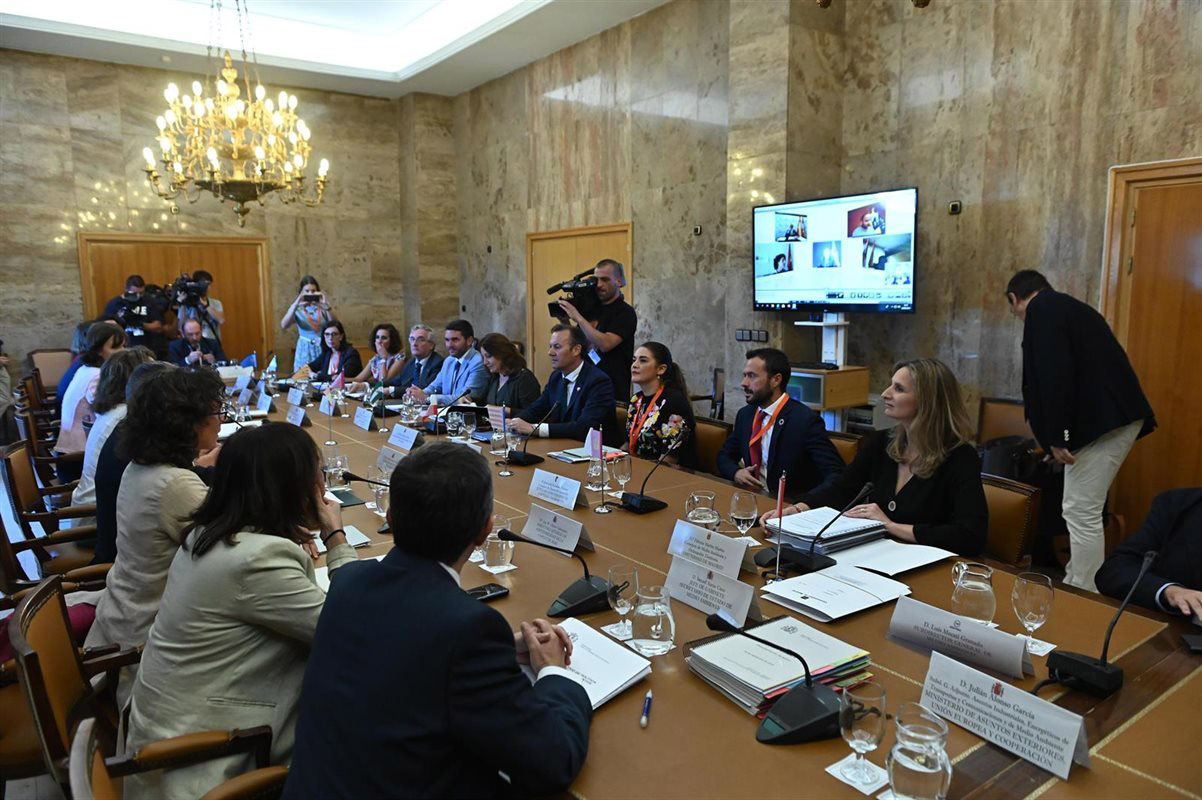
<point x="310" y="312"/>
<point x="337" y="356"/>
<point x="109" y="407"/>
<point x="386" y="363"/>
<point x="104" y="339"/>
<point x="229" y="645"/>
<point x="510" y="384"/>
<point x="660" y="418"/>
<point x="171" y="420"/>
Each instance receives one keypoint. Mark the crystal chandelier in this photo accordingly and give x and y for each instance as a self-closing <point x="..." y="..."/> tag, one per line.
<point x="238" y="144"/>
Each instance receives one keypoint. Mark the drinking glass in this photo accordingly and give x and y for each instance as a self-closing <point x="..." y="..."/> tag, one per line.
<point x="654" y="627"/>
<point x="620" y="469"/>
<point x="918" y="765"/>
<point x="499" y="522"/>
<point x="497" y="551"/>
<point x="973" y="596"/>
<point x="595" y="482"/>
<point x="469" y="425"/>
<point x="1031" y="600"/>
<point x="335" y="467"/>
<point x="381" y="495"/>
<point x="454" y="424"/>
<point x="374" y="474"/>
<point x="862" y="723"/>
<point x="623" y="591"/>
<point x="700" y="510"/>
<point x="340" y="399"/>
<point x="497" y="444"/>
<point x="743" y="511"/>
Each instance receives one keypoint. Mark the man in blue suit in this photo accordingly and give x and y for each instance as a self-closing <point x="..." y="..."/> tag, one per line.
<point x="422" y="367"/>
<point x="578" y="395"/>
<point x="462" y="371"/>
<point x="775" y="433"/>
<point x="413" y="687"/>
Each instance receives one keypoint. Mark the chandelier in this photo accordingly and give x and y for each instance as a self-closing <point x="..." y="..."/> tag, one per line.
<point x="240" y="145"/>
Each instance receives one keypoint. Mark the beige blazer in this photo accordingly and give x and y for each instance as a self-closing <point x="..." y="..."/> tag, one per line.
<point x="227" y="650"/>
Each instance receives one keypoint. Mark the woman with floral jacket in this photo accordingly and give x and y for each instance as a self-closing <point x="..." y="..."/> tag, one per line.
<point x="660" y="418"/>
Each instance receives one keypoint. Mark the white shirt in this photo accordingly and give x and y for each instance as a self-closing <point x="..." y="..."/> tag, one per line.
<point x="571" y="379"/>
<point x="77" y="390"/>
<point x="765" y="442"/>
<point x="85" y="491"/>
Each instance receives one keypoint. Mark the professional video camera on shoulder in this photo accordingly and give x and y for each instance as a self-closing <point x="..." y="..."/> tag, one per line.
<point x="187" y="292"/>
<point x="581" y="292"/>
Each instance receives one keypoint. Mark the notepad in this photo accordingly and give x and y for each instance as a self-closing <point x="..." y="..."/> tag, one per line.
<point x="890" y="557"/>
<point x="354" y="537"/>
<point x="322" y="574"/>
<point x="604" y="668"/>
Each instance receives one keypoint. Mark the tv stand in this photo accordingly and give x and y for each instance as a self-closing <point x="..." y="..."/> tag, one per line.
<point x="832" y="392"/>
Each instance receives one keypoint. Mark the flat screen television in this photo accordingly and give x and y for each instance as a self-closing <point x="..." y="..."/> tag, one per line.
<point x="853" y="253"/>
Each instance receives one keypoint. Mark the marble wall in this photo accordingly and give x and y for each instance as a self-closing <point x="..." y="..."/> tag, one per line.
<point x="71" y="137"/>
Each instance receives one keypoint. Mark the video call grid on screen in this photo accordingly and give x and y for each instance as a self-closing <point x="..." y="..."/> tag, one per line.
<point x="853" y="253"/>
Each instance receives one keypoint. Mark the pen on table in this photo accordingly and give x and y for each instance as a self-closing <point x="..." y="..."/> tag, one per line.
<point x="646" y="710"/>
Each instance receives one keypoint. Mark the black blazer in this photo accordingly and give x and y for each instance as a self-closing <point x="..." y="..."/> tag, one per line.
<point x="518" y="393"/>
<point x="1077" y="381"/>
<point x="1173" y="529"/>
<point x="350" y="365"/>
<point x="947" y="510"/>
<point x="413" y="689"/>
<point x="408" y="375"/>
<point x="799" y="445"/>
<point x="591" y="406"/>
<point x="179" y="349"/>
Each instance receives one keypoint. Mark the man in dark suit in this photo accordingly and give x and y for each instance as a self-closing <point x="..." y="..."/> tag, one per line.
<point x="774" y="433"/>
<point x="1084" y="404"/>
<point x="581" y="395"/>
<point x="422" y="367"/>
<point x="1173" y="581"/>
<point x="413" y="687"/>
<point x="193" y="350"/>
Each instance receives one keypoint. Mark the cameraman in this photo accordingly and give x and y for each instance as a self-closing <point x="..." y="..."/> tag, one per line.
<point x="611" y="334"/>
<point x="195" y="350"/>
<point x="199" y="306"/>
<point x="142" y="317"/>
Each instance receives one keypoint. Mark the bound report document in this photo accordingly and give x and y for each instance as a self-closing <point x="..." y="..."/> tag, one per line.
<point x="799" y="530"/>
<point x="890" y="557"/>
<point x="602" y="666"/>
<point x="834" y="592"/>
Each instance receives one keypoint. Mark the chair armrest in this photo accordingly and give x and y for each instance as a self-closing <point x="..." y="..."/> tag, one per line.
<point x="47" y="491"/>
<point x="66" y="512"/>
<point x="57" y="537"/>
<point x="193" y="748"/>
<point x="8" y="672"/>
<point x="266" y="782"/>
<point x="92" y="572"/>
<point x="111" y="662"/>
<point x="63" y="458"/>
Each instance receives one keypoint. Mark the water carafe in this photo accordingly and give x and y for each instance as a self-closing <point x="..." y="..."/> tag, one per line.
<point x="918" y="765"/>
<point x="973" y="594"/>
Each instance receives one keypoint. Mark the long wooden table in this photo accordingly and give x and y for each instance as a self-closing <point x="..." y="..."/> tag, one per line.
<point x="700" y="745"/>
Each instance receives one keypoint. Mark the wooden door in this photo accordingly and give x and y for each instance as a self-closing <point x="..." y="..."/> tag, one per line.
<point x="556" y="256"/>
<point x="238" y="265"/>
<point x="1153" y="298"/>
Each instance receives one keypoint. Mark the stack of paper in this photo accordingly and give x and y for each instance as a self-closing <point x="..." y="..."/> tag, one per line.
<point x="322" y="574"/>
<point x="228" y="429"/>
<point x="602" y="666"/>
<point x="890" y="557"/>
<point x="755" y="675"/>
<point x="834" y="592"/>
<point x="799" y="530"/>
<point x="354" y="537"/>
<point x="578" y="455"/>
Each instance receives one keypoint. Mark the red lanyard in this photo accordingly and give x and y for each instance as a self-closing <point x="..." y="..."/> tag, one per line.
<point x="771" y="420"/>
<point x="641" y="418"/>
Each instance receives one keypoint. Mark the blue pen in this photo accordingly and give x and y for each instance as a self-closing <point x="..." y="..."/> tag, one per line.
<point x="646" y="710"/>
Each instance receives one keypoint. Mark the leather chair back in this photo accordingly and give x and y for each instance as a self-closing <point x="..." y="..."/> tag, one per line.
<point x="52" y="364"/>
<point x="23" y="487"/>
<point x="620" y="412"/>
<point x="848" y="444"/>
<point x="998" y="417"/>
<point x="711" y="434"/>
<point x="1013" y="513"/>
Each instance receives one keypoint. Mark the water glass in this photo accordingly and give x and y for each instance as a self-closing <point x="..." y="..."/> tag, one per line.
<point x="1031" y="599"/>
<point x="918" y="764"/>
<point x="973" y="596"/>
<point x="862" y="723"/>
<point x="513" y="440"/>
<point x="654" y="628"/>
<point x="743" y="511"/>
<point x="497" y="551"/>
<point x="623" y="592"/>
<point x="340" y="398"/>
<point x="374" y="474"/>
<point x="700" y="510"/>
<point x="498" y="444"/>
<point x="620" y="469"/>
<point x="455" y="423"/>
<point x="335" y="466"/>
<point x="469" y="425"/>
<point x="381" y="497"/>
<point x="499" y="522"/>
<point x="596" y="481"/>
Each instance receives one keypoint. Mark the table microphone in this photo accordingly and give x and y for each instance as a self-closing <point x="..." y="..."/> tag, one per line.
<point x="583" y="596"/>
<point x="641" y="503"/>
<point x="803" y="561"/>
<point x="1095" y="675"/>
<point x="806" y="713"/>
<point x="524" y="459"/>
<point x="350" y="476"/>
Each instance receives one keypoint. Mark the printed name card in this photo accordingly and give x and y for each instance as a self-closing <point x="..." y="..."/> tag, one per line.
<point x="710" y="592"/>
<point x="364" y="419"/>
<point x="475" y="447"/>
<point x="563" y="492"/>
<point x="242" y="382"/>
<point x="960" y="637"/>
<point x="297" y="416"/>
<point x="1028" y="726"/>
<point x="261" y="387"/>
<point x="546" y="526"/>
<point x="328" y="406"/>
<point x="388" y="459"/>
<point x="723" y="554"/>
<point x="402" y="437"/>
<point x="265" y="403"/>
<point x="244" y="397"/>
<point x="296" y="397"/>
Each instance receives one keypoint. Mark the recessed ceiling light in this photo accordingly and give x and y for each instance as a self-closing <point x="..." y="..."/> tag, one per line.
<point x="165" y="59"/>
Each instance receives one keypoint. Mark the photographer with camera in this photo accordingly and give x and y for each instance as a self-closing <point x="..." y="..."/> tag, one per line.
<point x="195" y="350"/>
<point x="192" y="297"/>
<point x="608" y="324"/>
<point x="140" y="311"/>
<point x="311" y="313"/>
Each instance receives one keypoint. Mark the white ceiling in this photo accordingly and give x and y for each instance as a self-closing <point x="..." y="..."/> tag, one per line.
<point x="386" y="48"/>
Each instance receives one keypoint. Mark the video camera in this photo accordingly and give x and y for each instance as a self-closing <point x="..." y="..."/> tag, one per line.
<point x="581" y="292"/>
<point x="190" y="290"/>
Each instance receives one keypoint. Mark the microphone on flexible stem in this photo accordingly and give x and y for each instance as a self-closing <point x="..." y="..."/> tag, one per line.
<point x="582" y="596"/>
<point x="524" y="459"/>
<point x="1095" y="676"/>
<point x="803" y="561"/>
<point x="641" y="503"/>
<point x="806" y="713"/>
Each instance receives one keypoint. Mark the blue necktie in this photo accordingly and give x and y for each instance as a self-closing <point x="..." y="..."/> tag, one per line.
<point x="454" y="376"/>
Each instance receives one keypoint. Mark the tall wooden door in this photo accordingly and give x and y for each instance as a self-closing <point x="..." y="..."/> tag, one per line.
<point x="556" y="256"/>
<point x="238" y="265"/>
<point x="1155" y="304"/>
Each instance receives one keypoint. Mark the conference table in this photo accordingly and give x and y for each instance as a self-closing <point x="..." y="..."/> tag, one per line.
<point x="701" y="745"/>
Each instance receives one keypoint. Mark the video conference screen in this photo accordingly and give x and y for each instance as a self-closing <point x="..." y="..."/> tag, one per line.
<point x="852" y="253"/>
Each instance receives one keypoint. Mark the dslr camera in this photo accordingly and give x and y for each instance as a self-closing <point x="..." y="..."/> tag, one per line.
<point x="581" y="291"/>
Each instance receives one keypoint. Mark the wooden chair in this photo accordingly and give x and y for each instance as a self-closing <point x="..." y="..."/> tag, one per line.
<point x="620" y="411"/>
<point x="32" y="397"/>
<point x="57" y="551"/>
<point x="1013" y="513"/>
<point x="711" y="434"/>
<point x="14" y="581"/>
<point x="94" y="775"/>
<point x="40" y="442"/>
<point x="52" y="364"/>
<point x="998" y="417"/>
<point x="848" y="444"/>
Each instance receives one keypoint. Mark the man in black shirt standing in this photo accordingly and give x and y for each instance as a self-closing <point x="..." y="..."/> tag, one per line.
<point x="611" y="334"/>
<point x="141" y="316"/>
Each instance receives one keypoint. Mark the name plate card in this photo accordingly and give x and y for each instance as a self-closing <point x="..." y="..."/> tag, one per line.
<point x="244" y="397"/>
<point x="265" y="403"/>
<point x="364" y="419"/>
<point x="563" y="492"/>
<point x="328" y="406"/>
<point x="546" y="526"/>
<point x="297" y="416"/>
<point x="261" y="387"/>
<point x="960" y="637"/>
<point x="242" y="382"/>
<point x="475" y="447"/>
<point x="402" y="437"/>
<point x="1028" y="726"/>
<point x="296" y="397"/>
<point x="388" y="459"/>
<point x="723" y="554"/>
<point x="710" y="592"/>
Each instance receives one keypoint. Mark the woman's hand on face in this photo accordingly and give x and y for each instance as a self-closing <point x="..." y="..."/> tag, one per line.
<point x="208" y="458"/>
<point x="329" y="512"/>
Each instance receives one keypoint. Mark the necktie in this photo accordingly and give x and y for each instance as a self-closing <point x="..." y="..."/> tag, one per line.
<point x="567" y="395"/>
<point x="757" y="447"/>
<point x="454" y="376"/>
